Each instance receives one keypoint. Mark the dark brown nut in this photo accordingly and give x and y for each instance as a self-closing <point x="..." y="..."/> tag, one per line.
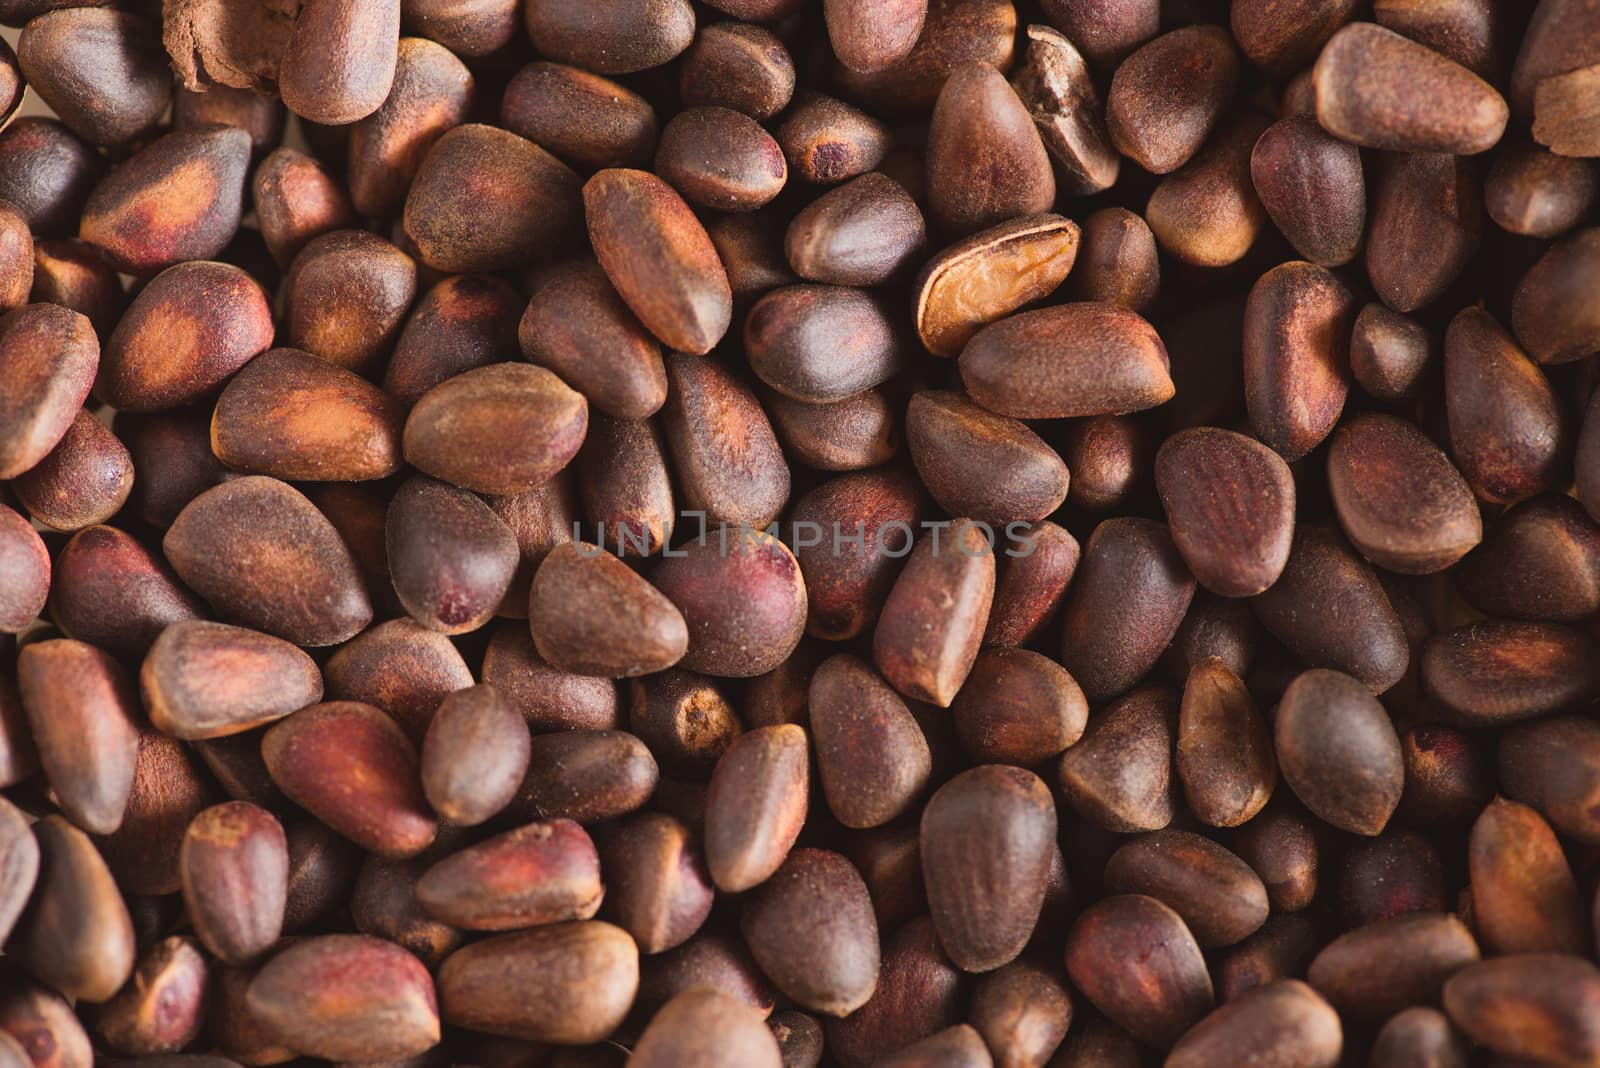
<point x="297" y="200"/>
<point x="49" y="360"/>
<point x="1206" y="213"/>
<point x="890" y="860"/>
<point x="183" y="336"/>
<point x="84" y="480"/>
<point x="1448" y="776"/>
<point x="209" y="680"/>
<point x="1165" y="98"/>
<point x="985" y="277"/>
<point x="450" y="556"/>
<point x="581" y="117"/>
<point x="684" y="719"/>
<point x="811" y="929"/>
<point x="1471" y="32"/>
<point x="625" y="486"/>
<point x="172" y="461"/>
<point x="982" y="465"/>
<point x="1119" y="775"/>
<point x="1134" y="959"/>
<point x="1312" y="186"/>
<point x="1219" y="898"/>
<point x="1221" y="627"/>
<point x="549" y="699"/>
<point x="1425" y="223"/>
<point x="955" y="33"/>
<point x="1054" y="84"/>
<point x="239" y="1035"/>
<point x="628" y="628"/>
<point x="568" y="983"/>
<point x="849" y="535"/>
<point x="1506" y="424"/>
<point x="750" y="246"/>
<point x="1378" y="89"/>
<point x="1117" y="262"/>
<point x="934" y="617"/>
<point x="740" y="66"/>
<point x="465" y="321"/>
<point x="383" y="903"/>
<point x="1018" y="707"/>
<point x="742" y="595"/>
<point x="26" y="564"/>
<point x="112" y="592"/>
<point x="1539" y="1006"/>
<point x="755" y="807"/>
<point x="403" y="668"/>
<point x="1022" y="1010"/>
<point x="871" y="754"/>
<point x="1129" y="595"/>
<point x="863" y="233"/>
<point x="1285" y="1023"/>
<point x="472" y="29"/>
<point x="1534" y="192"/>
<point x="1392" y="875"/>
<point x="1499" y="671"/>
<point x="1067" y="361"/>
<point x="1389" y="354"/>
<point x="349" y="765"/>
<point x="179" y="198"/>
<point x="162" y="1009"/>
<point x="1029" y="588"/>
<point x="102" y="71"/>
<point x="657" y="255"/>
<point x="714" y="958"/>
<point x="339" y="64"/>
<point x="46" y="174"/>
<point x="264" y="556"/>
<point x="820" y="344"/>
<point x="657" y="886"/>
<point x="617" y="37"/>
<point x="485" y="199"/>
<point x="16" y="258"/>
<point x="577" y="326"/>
<point x="346" y="997"/>
<point x="919" y="992"/>
<point x="81" y="707"/>
<point x="1399" y="499"/>
<point x="541" y="518"/>
<point x="986" y="163"/>
<point x="987" y="837"/>
<point x="19" y="871"/>
<point x="1381" y="968"/>
<point x="1296" y="345"/>
<point x="586" y="776"/>
<point x="1106" y="31"/>
<point x="848" y="435"/>
<point x="76" y="935"/>
<point x="827" y="141"/>
<point x="724" y="453"/>
<point x="295" y="416"/>
<point x="1553" y="323"/>
<point x="1224" y="754"/>
<point x="721" y="159"/>
<point x="235" y="865"/>
<point x="1330" y="732"/>
<point x="1282" y="38"/>
<point x="1230" y="501"/>
<point x="1419" y="1035"/>
<point x="709" y="1028"/>
<point x="1281" y="949"/>
<point x="71" y="273"/>
<point x="501" y="429"/>
<point x="1550" y="764"/>
<point x="431" y="92"/>
<point x="474" y="756"/>
<point x="168" y="791"/>
<point x="960" y="1046"/>
<point x="1524" y="897"/>
<point x="43" y="1024"/>
<point x="347" y="294"/>
<point x="1325" y="580"/>
<point x="545" y="872"/>
<point x="217" y="104"/>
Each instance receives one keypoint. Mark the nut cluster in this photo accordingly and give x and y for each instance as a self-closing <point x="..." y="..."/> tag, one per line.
<point x="779" y="533"/>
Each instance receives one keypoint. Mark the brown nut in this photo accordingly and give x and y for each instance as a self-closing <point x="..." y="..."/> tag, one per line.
<point x="541" y="873"/>
<point x="235" y="865"/>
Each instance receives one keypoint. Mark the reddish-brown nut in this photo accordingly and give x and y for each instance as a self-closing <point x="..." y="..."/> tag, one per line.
<point x="756" y="805"/>
<point x="347" y="293"/>
<point x="1224" y="754"/>
<point x="821" y="344"/>
<point x="933" y="620"/>
<point x="546" y="872"/>
<point x="405" y="669"/>
<point x="812" y="931"/>
<point x="474" y="755"/>
<point x="1538" y="1006"/>
<point x="450" y="557"/>
<point x="235" y="867"/>
<point x="26" y="563"/>
<point x="101" y="70"/>
<point x="1166" y="97"/>
<point x="1119" y="775"/>
<point x="871" y="755"/>
<point x="431" y="92"/>
<point x="982" y="465"/>
<point x="548" y="698"/>
<point x="724" y="453"/>
<point x="1425" y="224"/>
<point x="1496" y="671"/>
<point x="657" y="886"/>
<point x="1376" y="970"/>
<point x="1312" y="185"/>
<point x="1296" y="356"/>
<point x="209" y="680"/>
<point x="84" y="480"/>
<point x="583" y="118"/>
<point x="742" y="596"/>
<point x="1285" y="1022"/>
<point x="112" y="592"/>
<point x="1134" y="959"/>
<point x="296" y="200"/>
<point x="1524" y="896"/>
<point x="827" y="141"/>
<point x="985" y="161"/>
<point x="1217" y="894"/>
<point x="339" y="62"/>
<point x="1018" y="707"/>
<point x="48" y="359"/>
<point x="1550" y="317"/>
<point x="162" y="1009"/>
<point x="1331" y="732"/>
